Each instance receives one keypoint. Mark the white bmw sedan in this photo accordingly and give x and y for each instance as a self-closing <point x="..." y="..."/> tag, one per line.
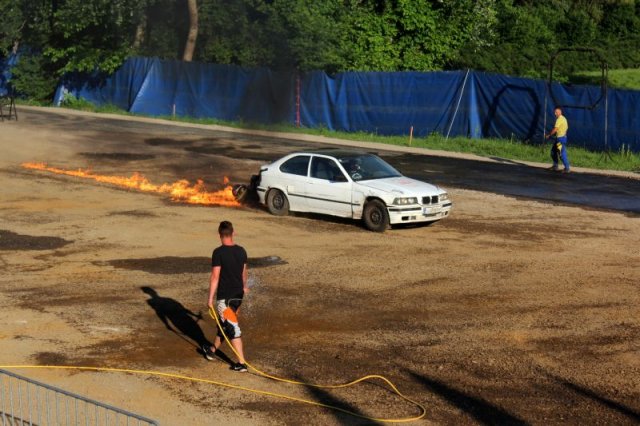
<point x="349" y="184"/>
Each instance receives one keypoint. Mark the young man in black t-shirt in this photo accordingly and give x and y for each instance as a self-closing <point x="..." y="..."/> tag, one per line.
<point x="228" y="284"/>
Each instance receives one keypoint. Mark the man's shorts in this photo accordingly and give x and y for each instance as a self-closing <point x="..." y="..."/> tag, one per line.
<point x="227" y="313"/>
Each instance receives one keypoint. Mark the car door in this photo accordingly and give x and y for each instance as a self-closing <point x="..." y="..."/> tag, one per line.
<point x="292" y="180"/>
<point x="328" y="190"/>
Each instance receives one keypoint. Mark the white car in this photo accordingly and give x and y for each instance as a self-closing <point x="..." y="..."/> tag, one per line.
<point x="348" y="184"/>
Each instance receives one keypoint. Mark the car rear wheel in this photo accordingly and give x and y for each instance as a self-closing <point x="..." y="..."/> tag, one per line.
<point x="277" y="203"/>
<point x="376" y="216"/>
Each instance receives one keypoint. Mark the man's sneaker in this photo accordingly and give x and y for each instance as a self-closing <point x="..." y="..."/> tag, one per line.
<point x="566" y="171"/>
<point x="208" y="353"/>
<point x="239" y="367"/>
<point x="553" y="168"/>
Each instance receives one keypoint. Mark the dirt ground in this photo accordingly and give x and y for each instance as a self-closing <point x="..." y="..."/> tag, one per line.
<point x="510" y="311"/>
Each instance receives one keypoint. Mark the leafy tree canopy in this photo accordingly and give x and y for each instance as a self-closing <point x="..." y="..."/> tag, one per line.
<point x="513" y="37"/>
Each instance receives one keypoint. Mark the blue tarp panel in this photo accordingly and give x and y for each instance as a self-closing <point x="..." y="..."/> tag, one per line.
<point x="504" y="107"/>
<point x="164" y="88"/>
<point x="459" y="103"/>
<point x="382" y="103"/>
<point x="5" y="73"/>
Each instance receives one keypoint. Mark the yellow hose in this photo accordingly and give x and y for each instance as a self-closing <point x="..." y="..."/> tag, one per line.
<point x="257" y="391"/>
<point x="423" y="411"/>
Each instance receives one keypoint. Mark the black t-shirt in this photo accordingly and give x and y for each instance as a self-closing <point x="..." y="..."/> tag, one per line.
<point x="231" y="260"/>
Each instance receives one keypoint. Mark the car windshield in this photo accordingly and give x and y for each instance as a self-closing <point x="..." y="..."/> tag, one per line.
<point x="367" y="167"/>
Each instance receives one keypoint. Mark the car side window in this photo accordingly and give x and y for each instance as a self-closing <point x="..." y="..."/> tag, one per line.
<point x="297" y="165"/>
<point x="325" y="168"/>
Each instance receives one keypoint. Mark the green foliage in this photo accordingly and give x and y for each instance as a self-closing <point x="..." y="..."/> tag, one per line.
<point x="507" y="36"/>
<point x="81" y="104"/>
<point x="11" y="21"/>
<point x="528" y="33"/>
<point x="620" y="79"/>
<point x="163" y="26"/>
<point x="230" y="33"/>
<point x="90" y="35"/>
<point x="33" y="79"/>
<point x="70" y="101"/>
<point x="413" y="35"/>
<point x="304" y="34"/>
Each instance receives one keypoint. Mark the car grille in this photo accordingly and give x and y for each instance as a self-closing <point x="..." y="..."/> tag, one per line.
<point x="430" y="200"/>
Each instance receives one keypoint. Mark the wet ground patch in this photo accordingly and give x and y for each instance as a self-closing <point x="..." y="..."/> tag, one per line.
<point x="257" y="154"/>
<point x="512" y="232"/>
<point x="167" y="142"/>
<point x="133" y="213"/>
<point x="165" y="265"/>
<point x="13" y="241"/>
<point x="41" y="299"/>
<point x="168" y="265"/>
<point x="116" y="156"/>
<point x="262" y="262"/>
<point x="51" y="358"/>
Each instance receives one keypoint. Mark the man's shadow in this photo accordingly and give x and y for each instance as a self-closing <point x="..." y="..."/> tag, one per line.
<point x="180" y="320"/>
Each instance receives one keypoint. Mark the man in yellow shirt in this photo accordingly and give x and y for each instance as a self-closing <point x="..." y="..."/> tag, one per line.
<point x="560" y="144"/>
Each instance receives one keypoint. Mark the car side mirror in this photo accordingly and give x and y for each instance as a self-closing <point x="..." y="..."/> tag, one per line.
<point x="339" y="178"/>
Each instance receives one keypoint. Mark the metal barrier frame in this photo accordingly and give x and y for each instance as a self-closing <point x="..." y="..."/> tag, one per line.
<point x="8" y="101"/>
<point x="63" y="412"/>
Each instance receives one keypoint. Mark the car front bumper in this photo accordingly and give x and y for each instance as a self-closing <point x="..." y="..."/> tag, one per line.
<point x="418" y="213"/>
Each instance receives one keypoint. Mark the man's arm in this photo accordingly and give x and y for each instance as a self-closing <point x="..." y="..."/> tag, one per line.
<point x="552" y="132"/>
<point x="213" y="284"/>
<point x="245" y="278"/>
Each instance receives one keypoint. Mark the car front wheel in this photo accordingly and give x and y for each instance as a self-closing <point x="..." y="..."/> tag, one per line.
<point x="376" y="216"/>
<point x="277" y="203"/>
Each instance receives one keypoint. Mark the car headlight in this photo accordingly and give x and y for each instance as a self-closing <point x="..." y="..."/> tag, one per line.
<point x="444" y="197"/>
<point x="405" y="200"/>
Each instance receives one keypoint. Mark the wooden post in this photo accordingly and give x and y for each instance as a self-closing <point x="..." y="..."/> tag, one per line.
<point x="410" y="135"/>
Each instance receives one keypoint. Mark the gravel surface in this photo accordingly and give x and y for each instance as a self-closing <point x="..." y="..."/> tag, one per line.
<point x="512" y="310"/>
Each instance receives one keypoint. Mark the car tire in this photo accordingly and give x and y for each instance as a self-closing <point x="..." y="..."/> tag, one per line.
<point x="240" y="192"/>
<point x="277" y="203"/>
<point x="376" y="216"/>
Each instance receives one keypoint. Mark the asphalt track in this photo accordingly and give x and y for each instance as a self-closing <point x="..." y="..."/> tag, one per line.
<point x="500" y="176"/>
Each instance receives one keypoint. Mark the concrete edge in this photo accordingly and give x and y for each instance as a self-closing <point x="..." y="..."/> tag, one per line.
<point x="328" y="140"/>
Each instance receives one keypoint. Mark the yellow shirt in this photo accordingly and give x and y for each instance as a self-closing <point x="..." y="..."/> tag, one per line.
<point x="561" y="126"/>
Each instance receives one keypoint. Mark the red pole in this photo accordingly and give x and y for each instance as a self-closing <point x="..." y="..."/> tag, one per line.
<point x="297" y="100"/>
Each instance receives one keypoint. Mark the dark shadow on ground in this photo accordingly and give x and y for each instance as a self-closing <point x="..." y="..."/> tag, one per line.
<point x="508" y="161"/>
<point x="482" y="411"/>
<point x="324" y="397"/>
<point x="610" y="404"/>
<point x="177" y="318"/>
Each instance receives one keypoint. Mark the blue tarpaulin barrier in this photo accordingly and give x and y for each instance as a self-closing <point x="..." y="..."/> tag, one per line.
<point x="457" y="103"/>
<point x="166" y="88"/>
<point x="5" y="73"/>
<point x="378" y="102"/>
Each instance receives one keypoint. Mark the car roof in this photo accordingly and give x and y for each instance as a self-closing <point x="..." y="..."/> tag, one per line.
<point x="333" y="152"/>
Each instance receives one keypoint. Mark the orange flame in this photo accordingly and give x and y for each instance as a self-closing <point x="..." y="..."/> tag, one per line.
<point x="181" y="191"/>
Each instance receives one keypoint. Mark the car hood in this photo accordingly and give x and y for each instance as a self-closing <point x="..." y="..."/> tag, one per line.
<point x="401" y="186"/>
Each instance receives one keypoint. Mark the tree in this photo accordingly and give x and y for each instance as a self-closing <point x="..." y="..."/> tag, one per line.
<point x="11" y="24"/>
<point x="74" y="35"/>
<point x="304" y="34"/>
<point x="508" y="36"/>
<point x="92" y="34"/>
<point x="190" y="45"/>
<point x="393" y="35"/>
